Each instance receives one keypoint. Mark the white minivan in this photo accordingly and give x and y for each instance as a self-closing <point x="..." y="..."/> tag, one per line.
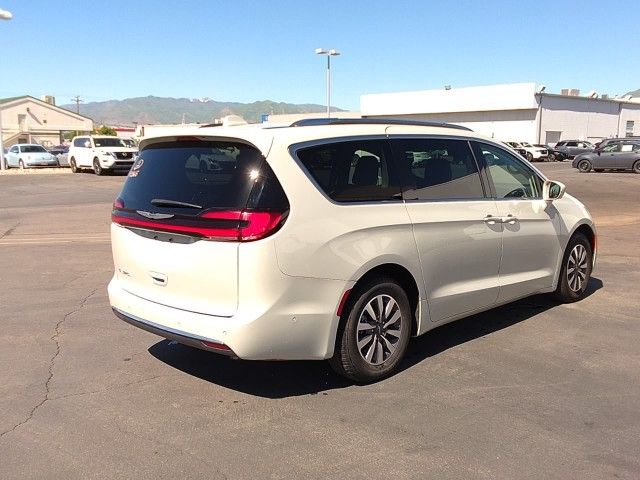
<point x="101" y="153"/>
<point x="336" y="239"/>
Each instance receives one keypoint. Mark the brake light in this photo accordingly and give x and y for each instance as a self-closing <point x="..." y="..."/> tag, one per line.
<point x="251" y="225"/>
<point x="234" y="225"/>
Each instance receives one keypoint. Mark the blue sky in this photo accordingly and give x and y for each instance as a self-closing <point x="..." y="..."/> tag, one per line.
<point x="238" y="50"/>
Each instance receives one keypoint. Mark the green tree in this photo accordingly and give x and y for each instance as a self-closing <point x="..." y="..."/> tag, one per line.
<point x="104" y="130"/>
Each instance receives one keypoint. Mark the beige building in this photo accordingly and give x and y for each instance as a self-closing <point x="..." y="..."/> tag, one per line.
<point x="29" y="120"/>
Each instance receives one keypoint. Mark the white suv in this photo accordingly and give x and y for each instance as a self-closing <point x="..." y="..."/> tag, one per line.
<point x="531" y="152"/>
<point x="337" y="241"/>
<point x="101" y="153"/>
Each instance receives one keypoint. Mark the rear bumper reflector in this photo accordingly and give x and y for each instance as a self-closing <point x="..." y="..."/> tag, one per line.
<point x="343" y="301"/>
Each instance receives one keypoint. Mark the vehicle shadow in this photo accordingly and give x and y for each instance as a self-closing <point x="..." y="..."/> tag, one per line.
<point x="294" y="378"/>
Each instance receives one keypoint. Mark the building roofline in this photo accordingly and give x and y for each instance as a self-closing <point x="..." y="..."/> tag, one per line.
<point x="9" y="100"/>
<point x="595" y="99"/>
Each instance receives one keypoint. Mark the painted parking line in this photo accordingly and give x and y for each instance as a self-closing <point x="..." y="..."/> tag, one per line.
<point x="53" y="239"/>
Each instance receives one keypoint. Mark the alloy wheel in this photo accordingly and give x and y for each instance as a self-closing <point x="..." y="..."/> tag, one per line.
<point x="577" y="267"/>
<point x="584" y="166"/>
<point x="379" y="329"/>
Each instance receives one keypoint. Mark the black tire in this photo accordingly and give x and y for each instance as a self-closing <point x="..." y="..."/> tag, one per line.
<point x="349" y="359"/>
<point x="584" y="166"/>
<point x="636" y="166"/>
<point x="569" y="290"/>
<point x="552" y="157"/>
<point x="97" y="169"/>
<point x="73" y="166"/>
<point x="529" y="156"/>
<point x="21" y="164"/>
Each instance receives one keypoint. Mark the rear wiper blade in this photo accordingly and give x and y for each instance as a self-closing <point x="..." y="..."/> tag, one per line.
<point x="161" y="202"/>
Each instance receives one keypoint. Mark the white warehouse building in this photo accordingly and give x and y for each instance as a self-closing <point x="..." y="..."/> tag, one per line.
<point x="513" y="112"/>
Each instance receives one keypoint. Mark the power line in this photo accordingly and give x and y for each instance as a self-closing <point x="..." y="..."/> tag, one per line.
<point x="78" y="101"/>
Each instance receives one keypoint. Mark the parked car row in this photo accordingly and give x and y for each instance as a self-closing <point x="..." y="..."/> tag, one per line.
<point x="97" y="153"/>
<point x="530" y="152"/>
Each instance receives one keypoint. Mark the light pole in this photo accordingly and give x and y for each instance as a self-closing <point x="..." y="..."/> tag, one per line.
<point x="329" y="53"/>
<point x="4" y="15"/>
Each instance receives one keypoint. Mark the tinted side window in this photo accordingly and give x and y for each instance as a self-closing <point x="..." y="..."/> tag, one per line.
<point x="611" y="148"/>
<point x="79" y="142"/>
<point x="572" y="144"/>
<point x="511" y="178"/>
<point x="353" y="171"/>
<point x="437" y="169"/>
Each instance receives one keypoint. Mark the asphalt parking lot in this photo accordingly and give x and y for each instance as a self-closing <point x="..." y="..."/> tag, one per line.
<point x="529" y="390"/>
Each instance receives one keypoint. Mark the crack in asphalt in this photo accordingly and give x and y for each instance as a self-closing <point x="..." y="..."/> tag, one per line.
<point x="104" y="390"/>
<point x="10" y="231"/>
<point x="54" y="338"/>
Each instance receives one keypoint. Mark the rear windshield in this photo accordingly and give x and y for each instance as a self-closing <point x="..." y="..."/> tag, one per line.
<point x="189" y="177"/>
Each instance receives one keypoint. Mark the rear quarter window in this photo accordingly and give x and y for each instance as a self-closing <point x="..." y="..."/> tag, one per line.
<point x="352" y="171"/>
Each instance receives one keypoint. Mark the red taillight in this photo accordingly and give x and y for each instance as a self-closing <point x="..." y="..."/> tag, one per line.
<point x="216" y="346"/>
<point x="118" y="203"/>
<point x="234" y="225"/>
<point x="251" y="225"/>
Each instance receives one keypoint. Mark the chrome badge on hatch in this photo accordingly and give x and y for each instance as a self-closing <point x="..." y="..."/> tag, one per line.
<point x="154" y="216"/>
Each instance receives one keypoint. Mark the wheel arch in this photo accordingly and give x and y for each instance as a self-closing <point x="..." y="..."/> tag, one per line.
<point x="405" y="279"/>
<point x="589" y="231"/>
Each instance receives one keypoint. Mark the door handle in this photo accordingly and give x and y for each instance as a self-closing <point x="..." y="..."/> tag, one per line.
<point x="510" y="219"/>
<point x="491" y="220"/>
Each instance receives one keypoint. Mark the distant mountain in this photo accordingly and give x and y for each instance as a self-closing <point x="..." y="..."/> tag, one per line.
<point x="635" y="93"/>
<point x="149" y="110"/>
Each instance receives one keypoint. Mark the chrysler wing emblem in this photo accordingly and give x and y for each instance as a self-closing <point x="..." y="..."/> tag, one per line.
<point x="154" y="216"/>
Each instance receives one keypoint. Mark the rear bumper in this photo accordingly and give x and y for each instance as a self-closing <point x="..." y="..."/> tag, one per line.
<point x="299" y="323"/>
<point x="171" y="334"/>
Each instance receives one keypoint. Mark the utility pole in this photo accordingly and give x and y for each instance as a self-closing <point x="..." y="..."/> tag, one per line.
<point x="78" y="101"/>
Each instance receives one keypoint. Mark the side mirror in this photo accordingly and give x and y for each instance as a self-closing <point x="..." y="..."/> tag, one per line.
<point x="87" y="144"/>
<point x="552" y="190"/>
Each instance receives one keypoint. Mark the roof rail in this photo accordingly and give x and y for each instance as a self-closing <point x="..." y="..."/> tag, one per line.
<point x="307" y="122"/>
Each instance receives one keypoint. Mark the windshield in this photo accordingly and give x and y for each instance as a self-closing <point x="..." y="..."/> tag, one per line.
<point x="110" y="142"/>
<point x="33" y="149"/>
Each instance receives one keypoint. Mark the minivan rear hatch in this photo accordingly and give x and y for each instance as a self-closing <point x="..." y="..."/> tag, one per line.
<point x="184" y="209"/>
